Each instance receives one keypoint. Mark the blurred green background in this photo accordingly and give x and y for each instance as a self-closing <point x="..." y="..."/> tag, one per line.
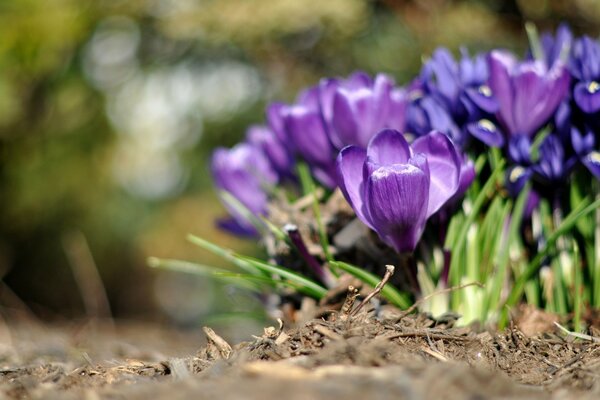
<point x="109" y="111"/>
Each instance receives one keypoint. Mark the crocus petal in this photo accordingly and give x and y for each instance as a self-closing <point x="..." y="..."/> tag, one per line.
<point x="538" y="93"/>
<point x="486" y="131"/>
<point x="307" y="131"/>
<point x="446" y="73"/>
<point x="444" y="168"/>
<point x="277" y="153"/>
<point x="344" y="118"/>
<point x="326" y="175"/>
<point x="398" y="106"/>
<point x="500" y="63"/>
<point x="397" y="203"/>
<point x="592" y="163"/>
<point x="587" y="96"/>
<point x="350" y="178"/>
<point x="275" y="118"/>
<point x="388" y="147"/>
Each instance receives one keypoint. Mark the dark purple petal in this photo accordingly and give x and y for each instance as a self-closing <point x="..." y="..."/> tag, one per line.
<point x="350" y="163"/>
<point x="587" y="96"/>
<point x="444" y="168"/>
<point x="388" y="147"/>
<point x="486" y="131"/>
<point x="397" y="203"/>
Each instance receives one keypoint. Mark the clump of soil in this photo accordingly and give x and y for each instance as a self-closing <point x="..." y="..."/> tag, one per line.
<point x="395" y="356"/>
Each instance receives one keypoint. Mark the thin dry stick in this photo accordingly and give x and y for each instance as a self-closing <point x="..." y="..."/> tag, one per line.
<point x="577" y="335"/>
<point x="349" y="302"/>
<point x="87" y="276"/>
<point x="389" y="271"/>
<point x="450" y="289"/>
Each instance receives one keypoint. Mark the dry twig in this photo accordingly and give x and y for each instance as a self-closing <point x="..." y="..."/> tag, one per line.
<point x="389" y="271"/>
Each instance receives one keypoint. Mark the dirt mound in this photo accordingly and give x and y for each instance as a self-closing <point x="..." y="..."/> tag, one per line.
<point x="399" y="357"/>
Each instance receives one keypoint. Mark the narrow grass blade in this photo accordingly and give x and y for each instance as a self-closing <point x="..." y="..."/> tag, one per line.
<point x="579" y="288"/>
<point x="242" y="210"/>
<point x="567" y="224"/>
<point x="304" y="284"/>
<point x="199" y="269"/>
<point x="261" y="268"/>
<point x="389" y="292"/>
<point x="491" y="301"/>
<point x="459" y="241"/>
<point x="308" y="186"/>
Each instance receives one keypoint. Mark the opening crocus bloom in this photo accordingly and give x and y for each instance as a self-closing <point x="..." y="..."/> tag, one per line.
<point x="243" y="171"/>
<point x="394" y="188"/>
<point x="528" y="92"/>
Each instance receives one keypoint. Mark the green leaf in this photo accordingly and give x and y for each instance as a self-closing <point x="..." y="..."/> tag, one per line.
<point x="389" y="292"/>
<point x="261" y="268"/>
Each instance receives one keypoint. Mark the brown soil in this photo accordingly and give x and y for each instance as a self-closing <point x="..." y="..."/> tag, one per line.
<point x="396" y="357"/>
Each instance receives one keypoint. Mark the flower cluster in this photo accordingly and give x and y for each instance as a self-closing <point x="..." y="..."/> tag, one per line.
<point x="399" y="154"/>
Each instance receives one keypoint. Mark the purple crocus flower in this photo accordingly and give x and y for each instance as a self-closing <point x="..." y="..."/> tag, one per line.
<point x="585" y="67"/>
<point x="528" y="93"/>
<point x="394" y="188"/>
<point x="302" y="127"/>
<point x="244" y="171"/>
<point x="354" y="109"/>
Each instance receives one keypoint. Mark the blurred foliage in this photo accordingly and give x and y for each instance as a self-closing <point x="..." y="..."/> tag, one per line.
<point x="109" y="111"/>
